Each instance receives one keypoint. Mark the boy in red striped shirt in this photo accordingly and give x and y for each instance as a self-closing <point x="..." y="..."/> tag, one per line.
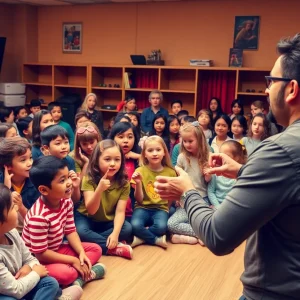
<point x="51" y="219"/>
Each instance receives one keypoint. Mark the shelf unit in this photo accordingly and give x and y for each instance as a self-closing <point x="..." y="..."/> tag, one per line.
<point x="251" y="86"/>
<point x="51" y="81"/>
<point x="187" y="83"/>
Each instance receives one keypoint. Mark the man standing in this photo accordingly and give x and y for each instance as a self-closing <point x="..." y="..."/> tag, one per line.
<point x="264" y="204"/>
<point x="148" y="114"/>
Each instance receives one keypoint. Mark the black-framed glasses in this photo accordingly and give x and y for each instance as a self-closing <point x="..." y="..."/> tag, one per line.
<point x="271" y="79"/>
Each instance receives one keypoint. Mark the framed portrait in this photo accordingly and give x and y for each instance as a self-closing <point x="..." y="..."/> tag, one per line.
<point x="235" y="57"/>
<point x="72" y="37"/>
<point x="246" y="30"/>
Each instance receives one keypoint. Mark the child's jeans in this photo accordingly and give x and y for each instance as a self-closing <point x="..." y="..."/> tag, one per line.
<point x="46" y="288"/>
<point x="98" y="232"/>
<point x="156" y="219"/>
<point x="66" y="274"/>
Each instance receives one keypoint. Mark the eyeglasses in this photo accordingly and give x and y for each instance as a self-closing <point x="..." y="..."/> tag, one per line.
<point x="82" y="130"/>
<point x="271" y="79"/>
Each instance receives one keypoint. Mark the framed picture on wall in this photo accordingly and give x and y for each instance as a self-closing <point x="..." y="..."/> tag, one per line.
<point x="235" y="57"/>
<point x="246" y="30"/>
<point x="72" y="37"/>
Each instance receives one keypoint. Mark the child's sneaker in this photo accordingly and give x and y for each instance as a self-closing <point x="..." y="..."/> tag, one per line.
<point x="121" y="250"/>
<point x="73" y="292"/>
<point x="161" y="242"/>
<point x="136" y="242"/>
<point x="97" y="272"/>
<point x="183" y="239"/>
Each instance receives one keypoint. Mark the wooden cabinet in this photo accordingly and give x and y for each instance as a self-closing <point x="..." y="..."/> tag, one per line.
<point x="191" y="85"/>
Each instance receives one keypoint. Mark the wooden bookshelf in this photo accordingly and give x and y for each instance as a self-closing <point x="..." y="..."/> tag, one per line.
<point x="50" y="81"/>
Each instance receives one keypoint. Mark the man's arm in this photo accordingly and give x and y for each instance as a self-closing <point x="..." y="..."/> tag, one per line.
<point x="262" y="190"/>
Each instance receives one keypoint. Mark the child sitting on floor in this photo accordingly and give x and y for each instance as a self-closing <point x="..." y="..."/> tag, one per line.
<point x="101" y="217"/>
<point x="151" y="213"/>
<point x="51" y="219"/>
<point x="21" y="274"/>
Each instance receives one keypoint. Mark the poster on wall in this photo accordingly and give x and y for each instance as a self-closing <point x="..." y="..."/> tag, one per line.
<point x="235" y="57"/>
<point x="246" y="30"/>
<point x="72" y="37"/>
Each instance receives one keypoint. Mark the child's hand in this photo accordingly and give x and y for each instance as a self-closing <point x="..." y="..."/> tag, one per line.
<point x="82" y="157"/>
<point x="75" y="179"/>
<point x="25" y="270"/>
<point x="41" y="270"/>
<point x="83" y="270"/>
<point x="16" y="199"/>
<point x="206" y="170"/>
<point x="137" y="177"/>
<point x="104" y="183"/>
<point x="177" y="203"/>
<point x="7" y="177"/>
<point x="112" y="241"/>
<point x="128" y="155"/>
<point x="85" y="260"/>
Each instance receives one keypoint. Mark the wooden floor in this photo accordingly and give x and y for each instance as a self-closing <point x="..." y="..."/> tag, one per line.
<point x="182" y="272"/>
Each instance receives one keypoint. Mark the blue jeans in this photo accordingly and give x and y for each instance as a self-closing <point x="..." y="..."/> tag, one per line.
<point x="46" y="288"/>
<point x="156" y="219"/>
<point x="98" y="232"/>
<point x="243" y="298"/>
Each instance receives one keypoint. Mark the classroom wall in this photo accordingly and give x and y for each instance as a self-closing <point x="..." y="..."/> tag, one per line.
<point x="182" y="30"/>
<point x="18" y="23"/>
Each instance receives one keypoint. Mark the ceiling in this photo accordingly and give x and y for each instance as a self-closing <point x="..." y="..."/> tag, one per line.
<point x="73" y="2"/>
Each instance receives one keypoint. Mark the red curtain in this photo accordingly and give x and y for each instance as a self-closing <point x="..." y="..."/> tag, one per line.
<point x="220" y="84"/>
<point x="148" y="79"/>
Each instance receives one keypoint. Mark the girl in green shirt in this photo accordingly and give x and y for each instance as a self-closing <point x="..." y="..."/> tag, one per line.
<point x="101" y="216"/>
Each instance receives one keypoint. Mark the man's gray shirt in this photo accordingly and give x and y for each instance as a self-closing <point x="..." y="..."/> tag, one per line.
<point x="263" y="207"/>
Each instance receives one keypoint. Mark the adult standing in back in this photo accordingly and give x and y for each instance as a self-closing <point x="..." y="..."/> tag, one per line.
<point x="148" y="114"/>
<point x="264" y="204"/>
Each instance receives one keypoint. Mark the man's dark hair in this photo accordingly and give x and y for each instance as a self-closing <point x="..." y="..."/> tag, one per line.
<point x="51" y="105"/>
<point x="51" y="132"/>
<point x="4" y="113"/>
<point x="23" y="124"/>
<point x="176" y="101"/>
<point x="5" y="201"/>
<point x="289" y="48"/>
<point x="44" y="170"/>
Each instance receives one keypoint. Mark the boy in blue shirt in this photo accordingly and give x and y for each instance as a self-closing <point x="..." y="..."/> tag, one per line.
<point x="56" y="113"/>
<point x="55" y="142"/>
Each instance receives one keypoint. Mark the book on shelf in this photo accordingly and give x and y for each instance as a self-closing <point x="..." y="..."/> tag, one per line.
<point x="201" y="62"/>
<point x="126" y="80"/>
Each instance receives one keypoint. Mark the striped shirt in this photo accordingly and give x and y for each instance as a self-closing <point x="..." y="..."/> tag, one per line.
<point x="44" y="228"/>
